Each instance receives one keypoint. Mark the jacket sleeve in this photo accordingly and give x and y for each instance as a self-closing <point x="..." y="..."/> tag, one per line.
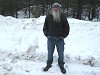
<point x="66" y="27"/>
<point x="45" y="27"/>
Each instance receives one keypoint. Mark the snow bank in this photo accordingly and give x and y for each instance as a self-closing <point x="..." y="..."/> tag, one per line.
<point x="24" y="39"/>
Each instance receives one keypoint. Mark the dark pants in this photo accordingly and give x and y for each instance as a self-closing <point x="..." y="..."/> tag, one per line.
<point x="59" y="43"/>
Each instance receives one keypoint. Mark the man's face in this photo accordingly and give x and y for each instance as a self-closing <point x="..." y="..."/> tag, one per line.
<point x="56" y="13"/>
<point x="55" y="9"/>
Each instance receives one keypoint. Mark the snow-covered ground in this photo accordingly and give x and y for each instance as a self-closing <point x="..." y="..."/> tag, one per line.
<point x="23" y="47"/>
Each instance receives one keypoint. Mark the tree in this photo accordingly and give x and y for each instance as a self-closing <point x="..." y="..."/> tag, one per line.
<point x="8" y="7"/>
<point x="79" y="9"/>
<point x="92" y="11"/>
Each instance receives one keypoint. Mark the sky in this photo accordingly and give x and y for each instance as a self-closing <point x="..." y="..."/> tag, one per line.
<point x="23" y="47"/>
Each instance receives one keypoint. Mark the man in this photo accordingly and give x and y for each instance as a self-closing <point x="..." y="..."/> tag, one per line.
<point x="56" y="28"/>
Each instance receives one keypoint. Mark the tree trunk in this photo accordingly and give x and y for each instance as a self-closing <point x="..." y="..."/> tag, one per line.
<point x="92" y="12"/>
<point x="79" y="10"/>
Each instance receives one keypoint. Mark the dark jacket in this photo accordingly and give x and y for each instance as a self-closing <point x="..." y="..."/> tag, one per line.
<point x="52" y="28"/>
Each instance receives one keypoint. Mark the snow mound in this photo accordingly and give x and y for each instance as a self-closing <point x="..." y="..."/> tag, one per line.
<point x="23" y="39"/>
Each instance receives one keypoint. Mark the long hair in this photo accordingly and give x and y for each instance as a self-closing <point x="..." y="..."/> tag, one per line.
<point x="56" y="15"/>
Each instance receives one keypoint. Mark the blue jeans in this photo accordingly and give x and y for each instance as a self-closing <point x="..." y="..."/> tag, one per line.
<point x="59" y="43"/>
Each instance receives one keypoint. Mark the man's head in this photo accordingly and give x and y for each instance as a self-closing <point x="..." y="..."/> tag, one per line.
<point x="56" y="12"/>
<point x="56" y="5"/>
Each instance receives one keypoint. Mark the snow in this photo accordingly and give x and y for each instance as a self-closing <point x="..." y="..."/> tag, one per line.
<point x="23" y="47"/>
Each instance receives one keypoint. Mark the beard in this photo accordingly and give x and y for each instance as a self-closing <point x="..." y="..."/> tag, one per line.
<point x="56" y="16"/>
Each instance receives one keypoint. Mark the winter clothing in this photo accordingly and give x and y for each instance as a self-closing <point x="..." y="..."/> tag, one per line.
<point x="63" y="70"/>
<point x="47" y="67"/>
<point x="55" y="33"/>
<point x="52" y="28"/>
<point x="56" y="5"/>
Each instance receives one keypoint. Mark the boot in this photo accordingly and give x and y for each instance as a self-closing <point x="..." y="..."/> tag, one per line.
<point x="47" y="68"/>
<point x="63" y="70"/>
